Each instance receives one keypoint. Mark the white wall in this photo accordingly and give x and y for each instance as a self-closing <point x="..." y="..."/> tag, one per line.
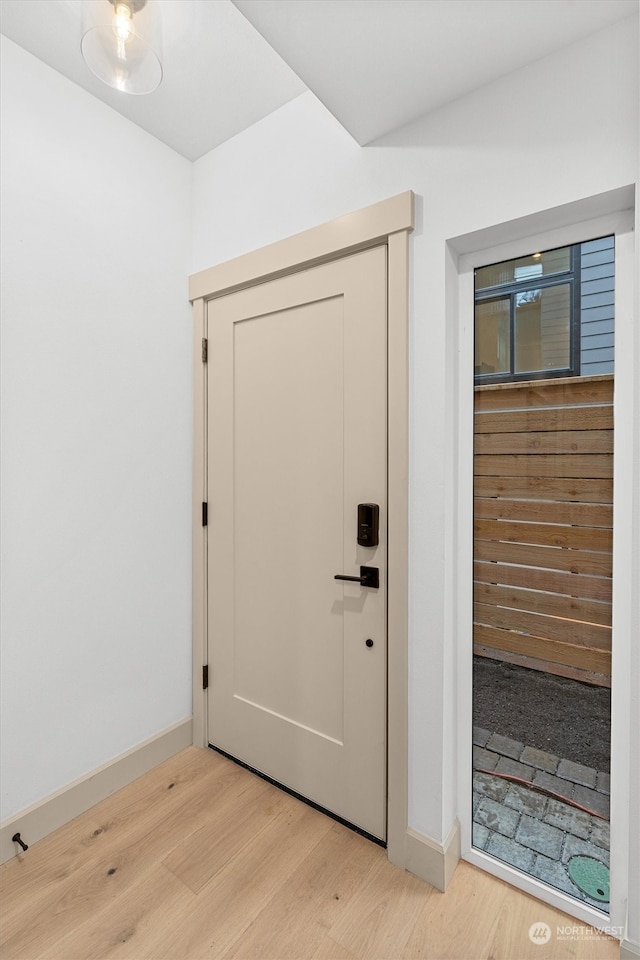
<point x="96" y="411"/>
<point x="557" y="131"/>
<point x="96" y="374"/>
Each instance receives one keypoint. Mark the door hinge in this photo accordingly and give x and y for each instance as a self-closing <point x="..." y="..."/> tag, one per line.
<point x="205" y="349"/>
<point x="205" y="514"/>
<point x="205" y="677"/>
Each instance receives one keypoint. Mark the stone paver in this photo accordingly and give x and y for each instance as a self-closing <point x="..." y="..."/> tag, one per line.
<point x="528" y="827"/>
<point x="575" y="847"/>
<point x="481" y="736"/>
<point x="490" y="786"/>
<point x="600" y="833"/>
<point x="505" y="745"/>
<point x="511" y="852"/>
<point x="577" y="773"/>
<point x="484" y="759"/>
<point x="549" y="782"/>
<point x="539" y="758"/>
<point x="568" y="819"/>
<point x="599" y="802"/>
<point x="480" y="835"/>
<point x="497" y="817"/>
<point x="539" y="836"/>
<point x="526" y="800"/>
<point x="514" y="768"/>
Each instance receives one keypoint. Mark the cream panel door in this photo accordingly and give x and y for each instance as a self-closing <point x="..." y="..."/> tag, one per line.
<point x="296" y="439"/>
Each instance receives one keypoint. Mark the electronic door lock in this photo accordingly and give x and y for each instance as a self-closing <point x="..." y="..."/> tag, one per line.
<point x="368" y="522"/>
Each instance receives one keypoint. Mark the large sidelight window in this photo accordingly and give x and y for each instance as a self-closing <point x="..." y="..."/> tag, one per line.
<point x="543" y="526"/>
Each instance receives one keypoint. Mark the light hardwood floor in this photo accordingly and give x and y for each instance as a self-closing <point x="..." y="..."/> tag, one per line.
<point x="199" y="858"/>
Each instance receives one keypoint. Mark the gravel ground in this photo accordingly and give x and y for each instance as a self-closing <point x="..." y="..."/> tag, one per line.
<point x="563" y="717"/>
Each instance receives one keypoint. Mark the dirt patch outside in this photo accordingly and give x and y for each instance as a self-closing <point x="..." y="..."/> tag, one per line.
<point x="554" y="714"/>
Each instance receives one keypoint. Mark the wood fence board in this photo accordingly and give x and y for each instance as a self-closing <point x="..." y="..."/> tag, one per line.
<point x="545" y="393"/>
<point x="586" y="658"/>
<point x="553" y="581"/>
<point x="538" y="601"/>
<point x="548" y="628"/>
<point x="545" y="534"/>
<point x="540" y="511"/>
<point x="566" y="418"/>
<point x="535" y="443"/>
<point x="591" y="466"/>
<point x="546" y="666"/>
<point x="545" y="488"/>
<point x="548" y="558"/>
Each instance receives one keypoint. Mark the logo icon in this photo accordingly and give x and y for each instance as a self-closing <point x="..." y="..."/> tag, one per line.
<point x="539" y="933"/>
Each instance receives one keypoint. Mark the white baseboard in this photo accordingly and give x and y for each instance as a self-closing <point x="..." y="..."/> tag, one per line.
<point x="60" y="807"/>
<point x="629" y="950"/>
<point x="430" y="860"/>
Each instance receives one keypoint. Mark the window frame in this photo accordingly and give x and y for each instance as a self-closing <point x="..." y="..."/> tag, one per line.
<point x="502" y="291"/>
<point x="578" y="222"/>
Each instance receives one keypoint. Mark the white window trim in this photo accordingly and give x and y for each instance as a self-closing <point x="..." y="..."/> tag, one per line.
<point x="575" y="227"/>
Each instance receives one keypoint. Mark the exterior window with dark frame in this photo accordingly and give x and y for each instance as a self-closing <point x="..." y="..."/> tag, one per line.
<point x="527" y="317"/>
<point x="546" y="315"/>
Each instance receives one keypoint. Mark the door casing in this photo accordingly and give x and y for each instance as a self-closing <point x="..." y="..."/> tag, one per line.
<point x="389" y="221"/>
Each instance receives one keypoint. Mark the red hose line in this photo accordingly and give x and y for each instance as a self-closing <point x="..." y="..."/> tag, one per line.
<point x="539" y="789"/>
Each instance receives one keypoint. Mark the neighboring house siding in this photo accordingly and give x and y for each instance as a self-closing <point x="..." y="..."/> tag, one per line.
<point x="596" y="306"/>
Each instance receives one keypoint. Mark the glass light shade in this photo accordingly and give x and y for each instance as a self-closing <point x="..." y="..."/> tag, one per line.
<point x="122" y="43"/>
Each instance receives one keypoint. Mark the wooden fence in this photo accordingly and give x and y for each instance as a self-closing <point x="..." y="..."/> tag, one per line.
<point x="543" y="518"/>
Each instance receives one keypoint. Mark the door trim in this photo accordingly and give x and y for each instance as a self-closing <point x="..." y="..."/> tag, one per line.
<point x="387" y="222"/>
<point x="356" y="231"/>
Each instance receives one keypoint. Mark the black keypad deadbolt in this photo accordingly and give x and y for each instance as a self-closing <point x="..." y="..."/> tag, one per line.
<point x="368" y="522"/>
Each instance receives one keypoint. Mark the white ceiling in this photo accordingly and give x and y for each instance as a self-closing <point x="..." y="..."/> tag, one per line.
<point x="375" y="64"/>
<point x="219" y="75"/>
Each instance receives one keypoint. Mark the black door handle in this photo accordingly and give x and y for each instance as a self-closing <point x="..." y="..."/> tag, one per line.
<point x="369" y="577"/>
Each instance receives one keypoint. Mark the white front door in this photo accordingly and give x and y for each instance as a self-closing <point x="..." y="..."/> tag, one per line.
<point x="297" y="438"/>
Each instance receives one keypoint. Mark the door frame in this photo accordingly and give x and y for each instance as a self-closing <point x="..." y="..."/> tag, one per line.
<point x="388" y="222"/>
<point x="595" y="216"/>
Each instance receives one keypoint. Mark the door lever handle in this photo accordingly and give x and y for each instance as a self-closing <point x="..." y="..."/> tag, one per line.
<point x="369" y="577"/>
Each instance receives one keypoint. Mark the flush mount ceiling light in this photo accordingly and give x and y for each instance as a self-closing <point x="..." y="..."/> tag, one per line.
<point x="122" y="43"/>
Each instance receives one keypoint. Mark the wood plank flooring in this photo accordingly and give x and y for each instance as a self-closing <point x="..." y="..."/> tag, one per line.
<point x="201" y="859"/>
